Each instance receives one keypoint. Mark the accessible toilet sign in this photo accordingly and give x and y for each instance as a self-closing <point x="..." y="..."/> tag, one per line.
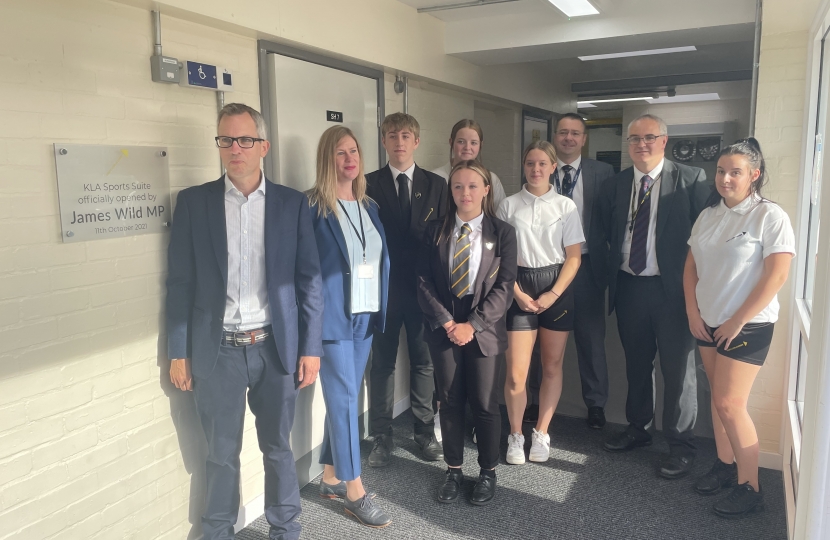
<point x="112" y="191"/>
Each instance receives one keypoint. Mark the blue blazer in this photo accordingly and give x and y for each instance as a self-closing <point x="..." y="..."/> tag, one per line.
<point x="337" y="282"/>
<point x="197" y="279"/>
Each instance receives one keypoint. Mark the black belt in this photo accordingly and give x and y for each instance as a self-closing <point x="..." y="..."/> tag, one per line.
<point x="248" y="337"/>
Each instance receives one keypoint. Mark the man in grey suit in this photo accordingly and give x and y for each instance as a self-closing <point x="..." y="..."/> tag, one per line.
<point x="244" y="316"/>
<point x="648" y="213"/>
<point x="581" y="179"/>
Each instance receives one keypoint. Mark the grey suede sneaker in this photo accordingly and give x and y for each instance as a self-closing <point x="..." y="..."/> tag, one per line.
<point x="366" y="512"/>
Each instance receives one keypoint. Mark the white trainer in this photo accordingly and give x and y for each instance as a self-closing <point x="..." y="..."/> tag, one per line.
<point x="540" y="447"/>
<point x="516" y="449"/>
<point x="437" y="428"/>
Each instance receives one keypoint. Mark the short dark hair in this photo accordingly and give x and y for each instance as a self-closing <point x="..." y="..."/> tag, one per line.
<point x="572" y="116"/>
<point x="236" y="109"/>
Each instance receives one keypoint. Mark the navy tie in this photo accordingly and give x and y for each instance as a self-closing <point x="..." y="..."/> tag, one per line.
<point x="567" y="182"/>
<point x="639" y="237"/>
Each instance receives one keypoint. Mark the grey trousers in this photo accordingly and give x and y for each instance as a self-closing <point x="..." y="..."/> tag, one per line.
<point x="649" y="322"/>
<point x="589" y="335"/>
<point x="220" y="401"/>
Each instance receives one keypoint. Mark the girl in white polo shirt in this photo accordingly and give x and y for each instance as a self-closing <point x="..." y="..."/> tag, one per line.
<point x="741" y="248"/>
<point x="549" y="236"/>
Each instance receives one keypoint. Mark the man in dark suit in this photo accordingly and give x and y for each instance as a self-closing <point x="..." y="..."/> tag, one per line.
<point x="410" y="198"/>
<point x="581" y="179"/>
<point x="244" y="313"/>
<point x="648" y="213"/>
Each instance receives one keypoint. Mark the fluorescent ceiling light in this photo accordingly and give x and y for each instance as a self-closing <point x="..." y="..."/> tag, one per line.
<point x="591" y="102"/>
<point x="685" y="98"/>
<point x="575" y="8"/>
<point x="638" y="53"/>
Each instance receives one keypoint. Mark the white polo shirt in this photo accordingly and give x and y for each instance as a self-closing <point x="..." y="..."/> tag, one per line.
<point x="729" y="246"/>
<point x="544" y="226"/>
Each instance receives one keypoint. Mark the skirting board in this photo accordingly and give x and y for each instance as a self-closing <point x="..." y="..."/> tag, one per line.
<point x="771" y="460"/>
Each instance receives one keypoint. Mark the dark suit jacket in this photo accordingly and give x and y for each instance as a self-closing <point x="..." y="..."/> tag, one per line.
<point x="683" y="194"/>
<point x="429" y="204"/>
<point x="337" y="280"/>
<point x="593" y="176"/>
<point x="493" y="287"/>
<point x="197" y="279"/>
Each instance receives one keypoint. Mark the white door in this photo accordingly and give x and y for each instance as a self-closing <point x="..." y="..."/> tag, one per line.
<point x="307" y="99"/>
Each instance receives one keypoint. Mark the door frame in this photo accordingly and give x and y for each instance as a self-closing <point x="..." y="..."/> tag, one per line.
<point x="268" y="106"/>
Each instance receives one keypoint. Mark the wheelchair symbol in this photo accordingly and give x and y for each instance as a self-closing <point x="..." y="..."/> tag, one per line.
<point x="202" y="74"/>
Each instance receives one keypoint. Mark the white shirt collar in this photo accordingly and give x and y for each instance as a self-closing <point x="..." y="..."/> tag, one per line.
<point x="653" y="173"/>
<point x="742" y="208"/>
<point x="473" y="223"/>
<point x="576" y="163"/>
<point x="530" y="197"/>
<point x="229" y="187"/>
<point x="409" y="172"/>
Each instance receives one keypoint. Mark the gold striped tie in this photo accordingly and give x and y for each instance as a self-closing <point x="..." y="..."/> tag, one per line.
<point x="460" y="275"/>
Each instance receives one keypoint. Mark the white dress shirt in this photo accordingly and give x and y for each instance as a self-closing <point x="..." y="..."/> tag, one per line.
<point x="409" y="173"/>
<point x="578" y="193"/>
<point x="651" y="243"/>
<point x="475" y="248"/>
<point x="544" y="226"/>
<point x="495" y="183"/>
<point x="729" y="246"/>
<point x="246" y="305"/>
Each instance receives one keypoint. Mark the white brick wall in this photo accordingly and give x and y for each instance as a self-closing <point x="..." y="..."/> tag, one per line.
<point x="93" y="441"/>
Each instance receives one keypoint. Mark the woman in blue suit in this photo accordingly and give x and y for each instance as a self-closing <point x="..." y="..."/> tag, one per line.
<point x="355" y="267"/>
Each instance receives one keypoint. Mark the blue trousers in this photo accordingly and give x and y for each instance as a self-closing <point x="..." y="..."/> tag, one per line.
<point x="341" y="374"/>
<point x="254" y="370"/>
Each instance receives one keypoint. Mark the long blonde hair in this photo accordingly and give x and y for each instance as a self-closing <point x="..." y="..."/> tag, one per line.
<point x="487" y="205"/>
<point x="324" y="192"/>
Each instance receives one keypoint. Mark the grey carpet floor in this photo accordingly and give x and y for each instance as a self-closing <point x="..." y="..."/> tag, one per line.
<point x="582" y="492"/>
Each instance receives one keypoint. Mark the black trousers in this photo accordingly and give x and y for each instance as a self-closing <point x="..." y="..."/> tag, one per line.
<point x="402" y="310"/>
<point x="465" y="375"/>
<point x="220" y="401"/>
<point x="649" y="322"/>
<point x="589" y="335"/>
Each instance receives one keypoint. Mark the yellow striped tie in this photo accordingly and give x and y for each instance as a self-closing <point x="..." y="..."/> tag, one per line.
<point x="460" y="275"/>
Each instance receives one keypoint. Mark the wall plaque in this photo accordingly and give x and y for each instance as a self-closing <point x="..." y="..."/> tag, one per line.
<point x="112" y="191"/>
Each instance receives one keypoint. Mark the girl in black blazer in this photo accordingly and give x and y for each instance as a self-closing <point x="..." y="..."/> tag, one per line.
<point x="465" y="285"/>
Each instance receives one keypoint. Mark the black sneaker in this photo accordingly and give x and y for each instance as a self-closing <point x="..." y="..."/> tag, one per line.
<point x="720" y="477"/>
<point x="742" y="501"/>
<point x="431" y="450"/>
<point x="366" y="512"/>
<point x="381" y="451"/>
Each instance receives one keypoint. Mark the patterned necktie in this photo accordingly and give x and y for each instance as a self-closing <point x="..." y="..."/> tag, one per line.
<point x="639" y="237"/>
<point x="403" y="198"/>
<point x="567" y="182"/>
<point x="460" y="275"/>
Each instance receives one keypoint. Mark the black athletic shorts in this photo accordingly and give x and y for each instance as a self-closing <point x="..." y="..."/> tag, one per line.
<point x="534" y="282"/>
<point x="751" y="345"/>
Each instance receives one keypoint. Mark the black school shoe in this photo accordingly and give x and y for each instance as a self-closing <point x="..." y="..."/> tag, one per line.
<point x="741" y="502"/>
<point x="381" y="451"/>
<point x="596" y="417"/>
<point x="431" y="449"/>
<point x="721" y="476"/>
<point x="449" y="490"/>
<point x="484" y="491"/>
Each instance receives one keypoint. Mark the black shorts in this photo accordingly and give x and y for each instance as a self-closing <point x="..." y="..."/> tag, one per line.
<point x="534" y="282"/>
<point x="751" y="345"/>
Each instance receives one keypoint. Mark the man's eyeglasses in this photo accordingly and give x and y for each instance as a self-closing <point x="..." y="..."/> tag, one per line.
<point x="634" y="140"/>
<point x="243" y="142"/>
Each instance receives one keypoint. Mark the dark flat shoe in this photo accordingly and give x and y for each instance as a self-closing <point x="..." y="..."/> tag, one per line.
<point x="626" y="441"/>
<point x="484" y="491"/>
<point x="367" y="513"/>
<point x="381" y="451"/>
<point x="677" y="465"/>
<point x="720" y="477"/>
<point x="596" y="417"/>
<point x="741" y="502"/>
<point x="449" y="490"/>
<point x="431" y="449"/>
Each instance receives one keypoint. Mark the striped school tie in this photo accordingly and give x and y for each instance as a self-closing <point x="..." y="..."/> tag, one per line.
<point x="639" y="237"/>
<point x="460" y="275"/>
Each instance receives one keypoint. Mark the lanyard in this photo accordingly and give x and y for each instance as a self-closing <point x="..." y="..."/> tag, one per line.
<point x="360" y="235"/>
<point x="635" y="211"/>
<point x="556" y="179"/>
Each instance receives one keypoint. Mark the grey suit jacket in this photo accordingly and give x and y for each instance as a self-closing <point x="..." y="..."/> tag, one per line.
<point x="197" y="279"/>
<point x="683" y="194"/>
<point x="593" y="176"/>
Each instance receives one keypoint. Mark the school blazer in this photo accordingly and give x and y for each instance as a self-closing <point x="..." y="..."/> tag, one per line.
<point x="683" y="194"/>
<point x="428" y="200"/>
<point x="336" y="268"/>
<point x="493" y="287"/>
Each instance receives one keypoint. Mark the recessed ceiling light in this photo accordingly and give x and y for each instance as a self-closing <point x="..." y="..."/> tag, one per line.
<point x="685" y="98"/>
<point x="638" y="53"/>
<point x="575" y="8"/>
<point x="591" y="102"/>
